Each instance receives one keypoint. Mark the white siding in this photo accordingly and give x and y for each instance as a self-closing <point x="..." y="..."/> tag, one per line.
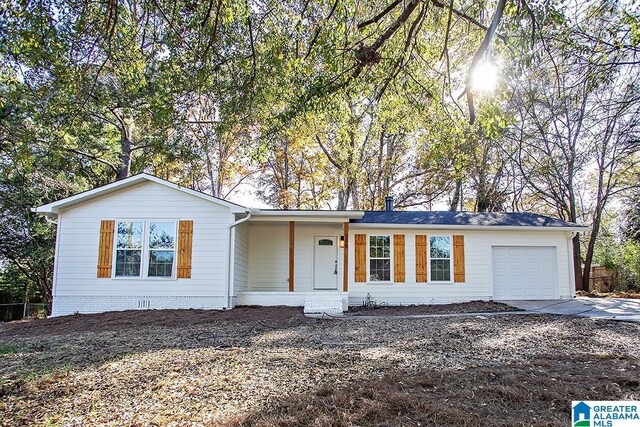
<point x="269" y="255"/>
<point x="478" y="261"/>
<point x="241" y="262"/>
<point x="78" y="249"/>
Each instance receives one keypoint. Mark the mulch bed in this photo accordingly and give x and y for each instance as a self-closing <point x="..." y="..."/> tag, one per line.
<point x="408" y="310"/>
<point x="596" y="294"/>
<point x="275" y="316"/>
<point x="134" y="319"/>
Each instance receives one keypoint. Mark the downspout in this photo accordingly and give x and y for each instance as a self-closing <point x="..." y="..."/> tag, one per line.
<point x="231" y="251"/>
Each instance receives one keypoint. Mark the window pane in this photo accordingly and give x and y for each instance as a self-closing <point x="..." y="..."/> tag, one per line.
<point x="128" y="263"/>
<point x="162" y="235"/>
<point x="440" y="270"/>
<point x="160" y="263"/>
<point x="379" y="247"/>
<point x="386" y="270"/>
<point x="440" y="247"/>
<point x="380" y="258"/>
<point x="129" y="235"/>
<point x="373" y="270"/>
<point x="380" y="270"/>
<point x="386" y="252"/>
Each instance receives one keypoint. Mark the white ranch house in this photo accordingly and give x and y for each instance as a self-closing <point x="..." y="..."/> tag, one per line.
<point x="146" y="243"/>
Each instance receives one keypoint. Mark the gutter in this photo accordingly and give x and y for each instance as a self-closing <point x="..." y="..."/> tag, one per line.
<point x="578" y="228"/>
<point x="231" y="249"/>
<point x="50" y="217"/>
<point x="308" y="214"/>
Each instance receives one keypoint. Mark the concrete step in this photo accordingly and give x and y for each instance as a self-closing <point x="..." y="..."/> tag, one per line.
<point x="327" y="305"/>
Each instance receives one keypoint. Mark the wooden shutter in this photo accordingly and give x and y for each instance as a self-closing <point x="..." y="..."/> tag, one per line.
<point x="185" y="241"/>
<point x="421" y="258"/>
<point x="398" y="257"/>
<point x="361" y="257"/>
<point x="458" y="259"/>
<point x="105" y="248"/>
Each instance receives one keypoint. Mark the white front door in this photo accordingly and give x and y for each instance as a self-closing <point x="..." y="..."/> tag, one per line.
<point x="325" y="262"/>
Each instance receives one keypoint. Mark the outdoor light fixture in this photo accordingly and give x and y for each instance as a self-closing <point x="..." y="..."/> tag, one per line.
<point x="342" y="241"/>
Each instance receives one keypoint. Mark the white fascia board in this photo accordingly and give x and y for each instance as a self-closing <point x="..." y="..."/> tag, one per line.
<point x="311" y="215"/>
<point x="57" y="206"/>
<point x="326" y="220"/>
<point x="578" y="228"/>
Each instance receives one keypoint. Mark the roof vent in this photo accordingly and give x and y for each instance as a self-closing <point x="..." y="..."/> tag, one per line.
<point x="388" y="203"/>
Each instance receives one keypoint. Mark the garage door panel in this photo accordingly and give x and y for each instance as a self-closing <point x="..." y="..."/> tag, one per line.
<point x="524" y="272"/>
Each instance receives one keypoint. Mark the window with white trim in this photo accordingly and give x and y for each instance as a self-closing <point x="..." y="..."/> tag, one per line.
<point x="150" y="243"/>
<point x="440" y="258"/>
<point x="162" y="244"/>
<point x="380" y="258"/>
<point x="129" y="240"/>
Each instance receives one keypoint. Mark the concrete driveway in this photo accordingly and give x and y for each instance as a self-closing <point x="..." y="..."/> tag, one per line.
<point x="600" y="308"/>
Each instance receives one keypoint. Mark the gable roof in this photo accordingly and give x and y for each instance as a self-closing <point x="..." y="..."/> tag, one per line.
<point x="57" y="206"/>
<point x="465" y="219"/>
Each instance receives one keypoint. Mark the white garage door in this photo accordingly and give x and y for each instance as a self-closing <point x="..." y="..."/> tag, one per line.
<point x="524" y="272"/>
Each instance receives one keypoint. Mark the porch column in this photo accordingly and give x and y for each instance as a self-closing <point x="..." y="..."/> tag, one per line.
<point x="292" y="238"/>
<point x="345" y="259"/>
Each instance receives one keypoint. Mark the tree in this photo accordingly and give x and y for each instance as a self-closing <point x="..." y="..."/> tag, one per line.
<point x="30" y="175"/>
<point x="577" y="111"/>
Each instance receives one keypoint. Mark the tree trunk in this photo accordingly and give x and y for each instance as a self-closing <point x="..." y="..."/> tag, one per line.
<point x="355" y="198"/>
<point x="588" y="257"/>
<point x="342" y="200"/>
<point x="44" y="281"/>
<point x="212" y="177"/>
<point x="577" y="263"/>
<point x="124" y="169"/>
<point x="457" y="196"/>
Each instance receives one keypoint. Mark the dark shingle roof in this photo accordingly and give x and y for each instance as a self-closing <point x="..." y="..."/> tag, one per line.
<point x="497" y="219"/>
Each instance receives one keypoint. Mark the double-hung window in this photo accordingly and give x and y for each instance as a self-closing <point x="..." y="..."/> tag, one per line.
<point x="380" y="258"/>
<point x="162" y="244"/>
<point x="150" y="243"/>
<point x="440" y="258"/>
<point x="129" y="248"/>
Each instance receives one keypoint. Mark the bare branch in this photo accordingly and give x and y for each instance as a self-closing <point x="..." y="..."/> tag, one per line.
<point x="380" y="15"/>
<point x="94" y="157"/>
<point x="317" y="33"/>
<point x="484" y="46"/>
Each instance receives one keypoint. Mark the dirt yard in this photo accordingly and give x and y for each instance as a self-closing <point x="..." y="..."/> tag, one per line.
<point x="410" y="310"/>
<point x="272" y="366"/>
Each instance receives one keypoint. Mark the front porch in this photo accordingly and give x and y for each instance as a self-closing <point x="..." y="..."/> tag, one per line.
<point x="314" y="302"/>
<point x="295" y="259"/>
